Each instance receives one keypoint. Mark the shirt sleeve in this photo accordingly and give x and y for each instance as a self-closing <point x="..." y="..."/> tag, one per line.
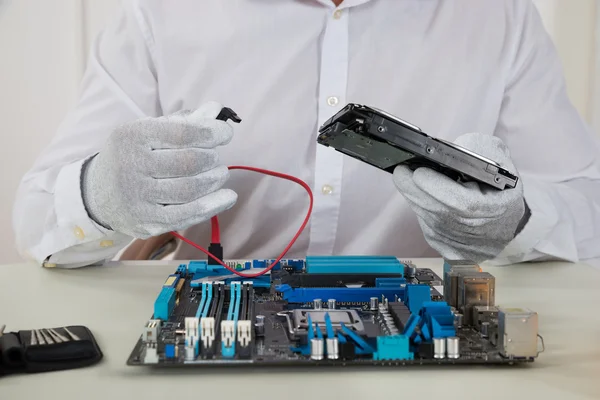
<point x="556" y="154"/>
<point x="50" y="222"/>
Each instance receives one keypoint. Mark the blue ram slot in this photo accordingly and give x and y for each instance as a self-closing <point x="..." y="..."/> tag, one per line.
<point x="164" y="304"/>
<point x="206" y="300"/>
<point x="238" y="301"/>
<point x="209" y="297"/>
<point x="202" y="301"/>
<point x="354" y="265"/>
<point x="232" y="315"/>
<point x="341" y="295"/>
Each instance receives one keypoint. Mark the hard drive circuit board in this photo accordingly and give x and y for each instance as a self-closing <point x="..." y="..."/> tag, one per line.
<point x="333" y="311"/>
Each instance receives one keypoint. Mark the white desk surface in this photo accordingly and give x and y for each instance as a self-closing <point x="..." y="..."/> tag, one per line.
<point x="115" y="301"/>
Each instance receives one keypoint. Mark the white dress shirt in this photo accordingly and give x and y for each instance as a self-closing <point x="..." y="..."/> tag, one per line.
<point x="285" y="66"/>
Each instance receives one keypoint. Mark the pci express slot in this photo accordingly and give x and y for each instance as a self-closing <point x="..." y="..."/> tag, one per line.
<point x="341" y="295"/>
<point x="334" y="280"/>
<point x="228" y="326"/>
<point x="353" y="264"/>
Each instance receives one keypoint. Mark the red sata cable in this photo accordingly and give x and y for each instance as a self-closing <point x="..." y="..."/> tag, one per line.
<point x="215" y="224"/>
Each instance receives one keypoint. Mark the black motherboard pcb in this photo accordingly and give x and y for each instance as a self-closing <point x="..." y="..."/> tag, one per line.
<point x="335" y="311"/>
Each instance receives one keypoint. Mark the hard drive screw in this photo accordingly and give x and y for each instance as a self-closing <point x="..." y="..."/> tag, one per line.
<point x="430" y="150"/>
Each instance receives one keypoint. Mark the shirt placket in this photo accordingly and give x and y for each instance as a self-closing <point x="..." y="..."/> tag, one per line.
<point x="329" y="163"/>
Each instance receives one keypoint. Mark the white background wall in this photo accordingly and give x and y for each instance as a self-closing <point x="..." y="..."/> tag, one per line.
<point x="43" y="46"/>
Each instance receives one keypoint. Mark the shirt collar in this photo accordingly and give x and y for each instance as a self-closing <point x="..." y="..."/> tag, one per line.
<point x="345" y="4"/>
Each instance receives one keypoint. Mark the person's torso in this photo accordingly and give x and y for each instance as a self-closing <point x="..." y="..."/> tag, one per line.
<point x="287" y="66"/>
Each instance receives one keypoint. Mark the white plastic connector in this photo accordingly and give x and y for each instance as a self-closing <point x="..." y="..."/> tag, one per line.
<point x="151" y="356"/>
<point x="191" y="327"/>
<point x="151" y="331"/>
<point x="192" y="336"/>
<point x="244" y="331"/>
<point x="207" y="331"/>
<point x="228" y="332"/>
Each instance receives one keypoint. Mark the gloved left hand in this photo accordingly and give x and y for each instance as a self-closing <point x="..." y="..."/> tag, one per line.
<point x="465" y="220"/>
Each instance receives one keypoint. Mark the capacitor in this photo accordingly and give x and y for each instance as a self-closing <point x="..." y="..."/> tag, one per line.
<point x="374" y="303"/>
<point x="485" y="329"/>
<point x="452" y="347"/>
<point x="439" y="347"/>
<point x="317" y="304"/>
<point x="259" y="325"/>
<point x="333" y="349"/>
<point x="331" y="304"/>
<point x="458" y="320"/>
<point x="190" y="353"/>
<point x="410" y="270"/>
<point x="316" y="349"/>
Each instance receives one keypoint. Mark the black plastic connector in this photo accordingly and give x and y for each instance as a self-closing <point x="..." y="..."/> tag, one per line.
<point x="216" y="250"/>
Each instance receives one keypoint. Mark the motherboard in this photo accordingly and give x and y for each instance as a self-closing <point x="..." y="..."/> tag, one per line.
<point x="333" y="311"/>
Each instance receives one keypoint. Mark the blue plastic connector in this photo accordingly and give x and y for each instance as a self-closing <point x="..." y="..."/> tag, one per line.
<point x="265" y="264"/>
<point x="416" y="296"/>
<point x="297" y="265"/>
<point x="393" y="348"/>
<point x="434" y="320"/>
<point x="195" y="266"/>
<point x="360" y="345"/>
<point x="165" y="303"/>
<point x="440" y="319"/>
<point x="354" y="265"/>
<point x="169" y="350"/>
<point x="182" y="269"/>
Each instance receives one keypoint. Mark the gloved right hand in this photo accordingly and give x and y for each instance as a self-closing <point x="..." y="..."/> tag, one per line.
<point x="157" y="175"/>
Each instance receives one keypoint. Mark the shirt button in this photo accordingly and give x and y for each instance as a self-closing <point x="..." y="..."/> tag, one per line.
<point x="337" y="14"/>
<point x="326" y="189"/>
<point x="106" y="243"/>
<point x="78" y="232"/>
<point x="332" y="101"/>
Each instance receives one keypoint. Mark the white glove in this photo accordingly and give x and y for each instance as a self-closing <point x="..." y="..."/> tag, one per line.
<point x="465" y="221"/>
<point x="157" y="175"/>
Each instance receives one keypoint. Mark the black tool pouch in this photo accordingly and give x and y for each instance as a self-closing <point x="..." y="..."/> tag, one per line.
<point x="19" y="354"/>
